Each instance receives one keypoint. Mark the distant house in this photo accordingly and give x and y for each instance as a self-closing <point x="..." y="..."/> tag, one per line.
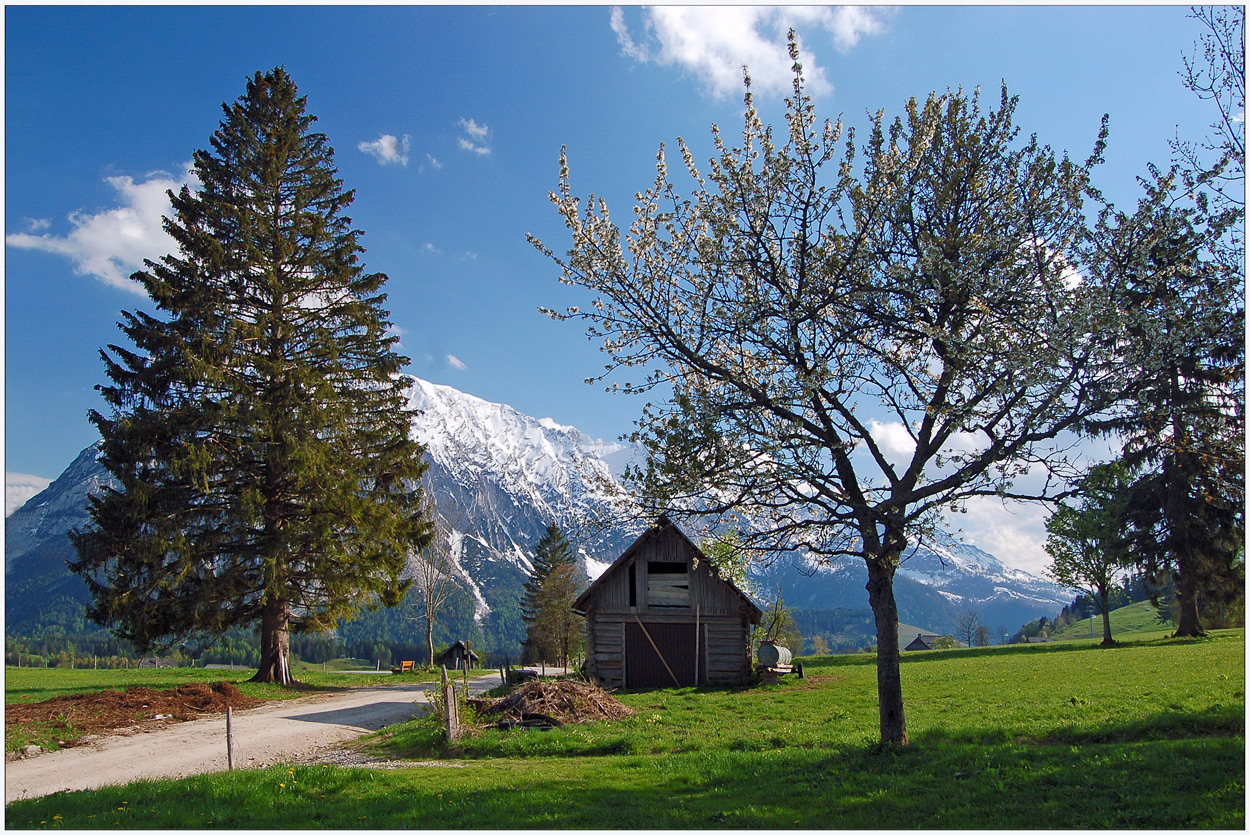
<point x="157" y="661"/>
<point x="662" y="616"/>
<point x="923" y="641"/>
<point x="458" y="657"/>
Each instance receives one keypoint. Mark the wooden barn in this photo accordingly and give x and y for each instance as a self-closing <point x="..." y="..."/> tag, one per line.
<point x="662" y="616"/>
<point x="458" y="657"/>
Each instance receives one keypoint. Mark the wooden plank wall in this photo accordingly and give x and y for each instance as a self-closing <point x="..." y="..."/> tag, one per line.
<point x="724" y="654"/>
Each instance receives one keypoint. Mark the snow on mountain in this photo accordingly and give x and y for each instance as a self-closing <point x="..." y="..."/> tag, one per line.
<point x="499" y="478"/>
<point x="559" y="469"/>
<point x="41" y="523"/>
<point x="19" y="487"/>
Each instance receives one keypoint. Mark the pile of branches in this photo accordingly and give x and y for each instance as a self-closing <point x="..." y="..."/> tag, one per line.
<point x="553" y="703"/>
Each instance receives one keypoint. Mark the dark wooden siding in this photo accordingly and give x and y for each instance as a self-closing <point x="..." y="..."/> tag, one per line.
<point x="668" y="603"/>
<point x="671" y="666"/>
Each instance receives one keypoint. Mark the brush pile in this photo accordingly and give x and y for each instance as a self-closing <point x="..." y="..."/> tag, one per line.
<point x="552" y="703"/>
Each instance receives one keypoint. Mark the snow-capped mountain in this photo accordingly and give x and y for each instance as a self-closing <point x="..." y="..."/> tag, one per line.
<point x="498" y="479"/>
<point x="937" y="580"/>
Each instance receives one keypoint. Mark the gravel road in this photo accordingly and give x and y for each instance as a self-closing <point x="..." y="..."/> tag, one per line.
<point x="301" y="729"/>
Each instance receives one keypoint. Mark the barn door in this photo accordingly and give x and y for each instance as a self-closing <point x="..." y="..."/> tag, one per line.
<point x="643" y="666"/>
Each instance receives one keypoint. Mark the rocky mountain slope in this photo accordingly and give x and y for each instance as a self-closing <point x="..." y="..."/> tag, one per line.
<point x="499" y="478"/>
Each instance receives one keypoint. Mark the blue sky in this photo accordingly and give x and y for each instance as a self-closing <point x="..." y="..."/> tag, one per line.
<point x="448" y="123"/>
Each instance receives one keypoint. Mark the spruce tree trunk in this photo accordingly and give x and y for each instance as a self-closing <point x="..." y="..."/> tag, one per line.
<point x="889" y="681"/>
<point x="1187" y="623"/>
<point x="275" y="644"/>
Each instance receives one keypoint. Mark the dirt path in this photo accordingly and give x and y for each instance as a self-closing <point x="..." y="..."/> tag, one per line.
<point x="274" y="732"/>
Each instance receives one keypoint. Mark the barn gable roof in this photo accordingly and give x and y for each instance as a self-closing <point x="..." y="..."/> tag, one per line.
<point x="662" y="526"/>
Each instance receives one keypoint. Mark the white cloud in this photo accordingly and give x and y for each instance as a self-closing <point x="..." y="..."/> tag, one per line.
<point x="1015" y="532"/>
<point x="715" y="42"/>
<point x="476" y="138"/>
<point x="113" y="243"/>
<point x="430" y="248"/>
<point x="473" y="129"/>
<point x="387" y="149"/>
<point x="435" y="164"/>
<point x="456" y="363"/>
<point x="628" y="47"/>
<point x="19" y="488"/>
<point x="893" y="440"/>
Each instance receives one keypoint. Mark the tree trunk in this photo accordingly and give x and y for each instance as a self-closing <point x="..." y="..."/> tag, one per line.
<point x="1187" y="623"/>
<point x="889" y="681"/>
<point x="1104" y="601"/>
<point x="429" y="633"/>
<point x="275" y="644"/>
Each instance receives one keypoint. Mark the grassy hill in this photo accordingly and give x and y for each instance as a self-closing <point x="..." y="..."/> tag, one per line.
<point x="1149" y="734"/>
<point x="1137" y="620"/>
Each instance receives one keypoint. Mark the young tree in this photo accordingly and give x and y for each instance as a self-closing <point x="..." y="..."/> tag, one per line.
<point x="259" y="427"/>
<point x="849" y="355"/>
<point x="966" y="626"/>
<point x="1089" y="545"/>
<point x="557" y="632"/>
<point x="778" y="625"/>
<point x="434" y="569"/>
<point x="547" y="629"/>
<point x="1182" y="419"/>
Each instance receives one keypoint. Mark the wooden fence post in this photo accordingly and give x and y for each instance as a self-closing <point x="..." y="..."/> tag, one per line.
<point x="229" y="738"/>
<point x="451" y="708"/>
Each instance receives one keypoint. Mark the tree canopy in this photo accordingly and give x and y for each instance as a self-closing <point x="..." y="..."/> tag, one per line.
<point x="552" y="630"/>
<point x="1089" y="543"/>
<point x="1181" y="413"/>
<point x="259" y="427"/>
<point x="852" y="345"/>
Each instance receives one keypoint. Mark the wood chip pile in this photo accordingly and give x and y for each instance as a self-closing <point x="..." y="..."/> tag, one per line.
<point x="564" y="700"/>
<point x="111" y="709"/>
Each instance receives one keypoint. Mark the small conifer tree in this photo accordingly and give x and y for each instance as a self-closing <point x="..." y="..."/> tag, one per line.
<point x="551" y="628"/>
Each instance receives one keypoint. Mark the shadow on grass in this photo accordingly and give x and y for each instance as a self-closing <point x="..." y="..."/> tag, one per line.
<point x="935" y="783"/>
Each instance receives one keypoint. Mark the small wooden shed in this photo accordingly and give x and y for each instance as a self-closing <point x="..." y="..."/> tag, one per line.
<point x="662" y="616"/>
<point x="458" y="657"/>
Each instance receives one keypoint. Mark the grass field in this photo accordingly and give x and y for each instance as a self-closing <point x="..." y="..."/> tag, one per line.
<point x="1137" y="620"/>
<point x="1066" y="735"/>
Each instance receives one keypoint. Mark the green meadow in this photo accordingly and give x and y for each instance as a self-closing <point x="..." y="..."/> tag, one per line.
<point x="1148" y="734"/>
<point x="1137" y="620"/>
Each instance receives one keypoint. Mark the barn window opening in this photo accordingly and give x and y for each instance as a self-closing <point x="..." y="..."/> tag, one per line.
<point x="633" y="584"/>
<point x="668" y="584"/>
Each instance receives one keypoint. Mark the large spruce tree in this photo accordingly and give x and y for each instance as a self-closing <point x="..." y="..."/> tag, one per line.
<point x="1182" y="416"/>
<point x="258" y="429"/>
